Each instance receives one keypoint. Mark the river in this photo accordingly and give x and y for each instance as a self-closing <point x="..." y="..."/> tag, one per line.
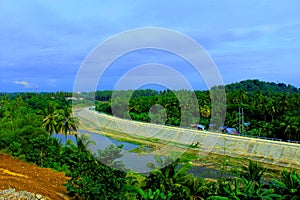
<point x="129" y="158"/>
<point x="134" y="161"/>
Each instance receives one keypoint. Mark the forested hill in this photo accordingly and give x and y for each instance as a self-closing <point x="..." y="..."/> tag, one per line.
<point x="257" y="85"/>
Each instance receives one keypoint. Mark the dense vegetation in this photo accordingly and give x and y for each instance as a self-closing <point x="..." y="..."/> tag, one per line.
<point x="27" y="121"/>
<point x="269" y="109"/>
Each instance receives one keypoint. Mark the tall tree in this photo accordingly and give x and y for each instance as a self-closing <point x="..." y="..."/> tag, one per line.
<point x="67" y="123"/>
<point x="50" y="119"/>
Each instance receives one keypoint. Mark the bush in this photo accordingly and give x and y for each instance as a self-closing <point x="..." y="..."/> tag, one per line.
<point x="91" y="179"/>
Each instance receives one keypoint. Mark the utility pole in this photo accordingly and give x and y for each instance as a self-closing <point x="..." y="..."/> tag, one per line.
<point x="242" y="120"/>
<point x="239" y="119"/>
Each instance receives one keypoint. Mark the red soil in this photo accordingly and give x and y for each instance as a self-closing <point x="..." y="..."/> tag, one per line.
<point x="22" y="176"/>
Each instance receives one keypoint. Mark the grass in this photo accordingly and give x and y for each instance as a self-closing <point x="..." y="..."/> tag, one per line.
<point x="141" y="149"/>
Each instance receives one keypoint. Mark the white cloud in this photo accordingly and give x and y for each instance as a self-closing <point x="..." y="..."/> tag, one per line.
<point x="24" y="83"/>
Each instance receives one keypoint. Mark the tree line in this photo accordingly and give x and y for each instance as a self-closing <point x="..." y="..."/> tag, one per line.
<point x="269" y="109"/>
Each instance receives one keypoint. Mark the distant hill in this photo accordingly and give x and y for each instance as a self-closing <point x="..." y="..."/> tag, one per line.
<point x="257" y="85"/>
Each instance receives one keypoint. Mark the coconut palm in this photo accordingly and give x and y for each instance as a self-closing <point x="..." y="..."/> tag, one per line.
<point x="291" y="126"/>
<point x="50" y="119"/>
<point x="232" y="119"/>
<point x="84" y="142"/>
<point x="9" y="114"/>
<point x="283" y="103"/>
<point x="67" y="123"/>
<point x="239" y="96"/>
<point x="169" y="177"/>
<point x="49" y="123"/>
<point x="262" y="107"/>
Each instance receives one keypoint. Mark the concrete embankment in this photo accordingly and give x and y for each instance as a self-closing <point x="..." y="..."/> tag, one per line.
<point x="267" y="151"/>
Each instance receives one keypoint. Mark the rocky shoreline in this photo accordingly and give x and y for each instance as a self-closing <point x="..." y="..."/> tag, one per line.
<point x="12" y="194"/>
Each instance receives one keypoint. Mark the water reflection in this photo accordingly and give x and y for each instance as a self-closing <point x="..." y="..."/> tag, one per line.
<point x="133" y="161"/>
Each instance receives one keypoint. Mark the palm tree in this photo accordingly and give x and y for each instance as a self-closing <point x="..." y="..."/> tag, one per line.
<point x="290" y="125"/>
<point x="283" y="103"/>
<point x="50" y="119"/>
<point x="169" y="177"/>
<point x="49" y="123"/>
<point x="70" y="126"/>
<point x="9" y="113"/>
<point x="84" y="142"/>
<point x="67" y="123"/>
<point x="232" y="119"/>
<point x="239" y="96"/>
<point x="19" y="100"/>
<point x="267" y="129"/>
<point x="271" y="110"/>
<point x="262" y="107"/>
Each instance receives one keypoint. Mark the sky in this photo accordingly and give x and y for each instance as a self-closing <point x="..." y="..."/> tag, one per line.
<point x="44" y="44"/>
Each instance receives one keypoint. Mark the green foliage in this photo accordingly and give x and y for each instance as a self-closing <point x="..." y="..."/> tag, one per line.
<point x="6" y="138"/>
<point x="199" y="188"/>
<point x="272" y="109"/>
<point x="253" y="172"/>
<point x="289" y="185"/>
<point x="15" y="148"/>
<point x="104" y="107"/>
<point x="61" y="120"/>
<point x="156" y="195"/>
<point x="25" y="124"/>
<point x="91" y="179"/>
<point x="41" y="150"/>
<point x="170" y="178"/>
<point x="84" y="142"/>
<point x="257" y="85"/>
<point x="109" y="155"/>
<point x="243" y="189"/>
<point x="248" y="186"/>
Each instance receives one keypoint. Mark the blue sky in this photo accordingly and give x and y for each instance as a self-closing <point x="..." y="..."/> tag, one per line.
<point x="44" y="43"/>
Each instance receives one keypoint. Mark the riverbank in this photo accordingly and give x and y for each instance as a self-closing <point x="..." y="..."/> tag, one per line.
<point x="188" y="154"/>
